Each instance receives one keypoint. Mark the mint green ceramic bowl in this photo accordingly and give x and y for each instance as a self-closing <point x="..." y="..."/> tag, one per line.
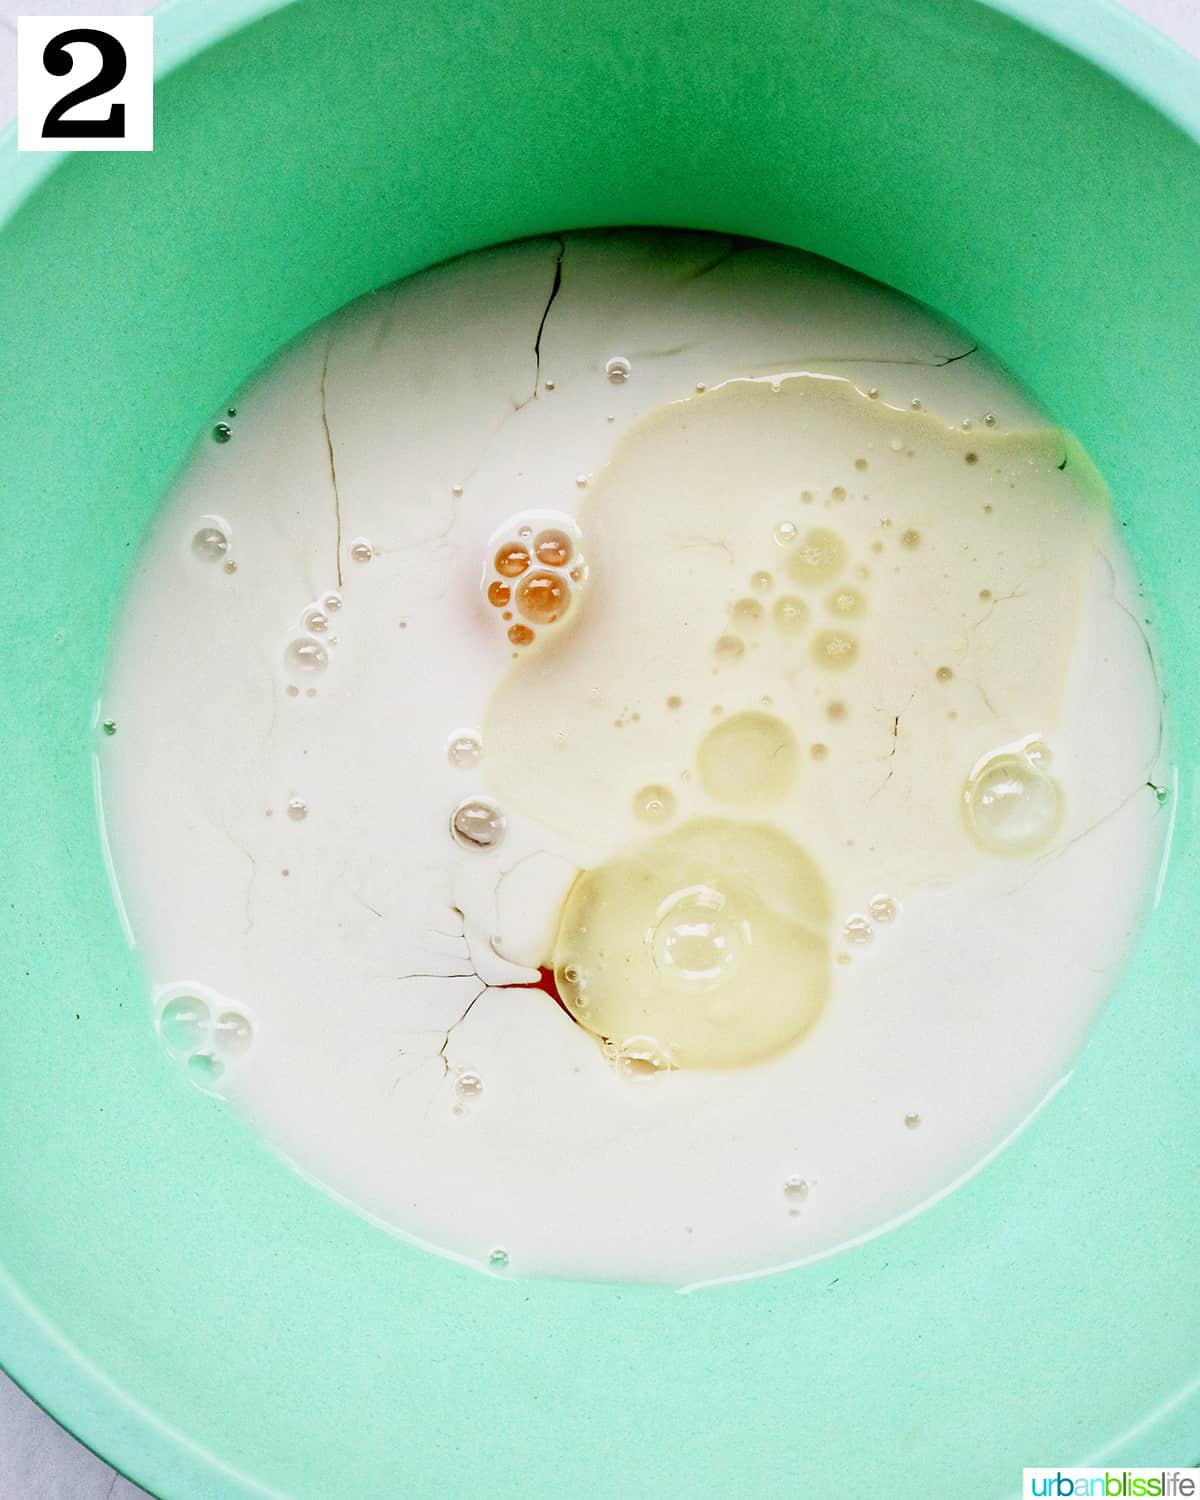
<point x="169" y="1289"/>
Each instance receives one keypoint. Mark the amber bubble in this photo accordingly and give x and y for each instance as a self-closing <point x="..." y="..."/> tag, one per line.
<point x="512" y="559"/>
<point x="498" y="593"/>
<point x="553" y="548"/>
<point x="543" y="597"/>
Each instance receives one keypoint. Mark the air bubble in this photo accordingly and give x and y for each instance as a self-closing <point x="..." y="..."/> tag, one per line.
<point x="912" y="1121"/>
<point x="857" y="929"/>
<point x="520" y="635"/>
<point x="464" y="749"/>
<point x="307" y="655"/>
<point x="729" y="648"/>
<point x="230" y="565"/>
<point x="883" y="908"/>
<point x="795" y="1189"/>
<point x="498" y="1258"/>
<point x="785" y="533"/>
<point x="361" y="550"/>
<point x="838" y="492"/>
<point x="581" y="481"/>
<point x="990" y="418"/>
<point x="910" y="538"/>
<point x="477" y="823"/>
<point x="654" y="804"/>
<point x="468" y="1086"/>
<point x="222" y="432"/>
<point x="1011" y="805"/>
<point x="204" y="1069"/>
<point x="185" y="1023"/>
<point x="944" y="674"/>
<point x="498" y="593"/>
<point x="211" y="543"/>
<point x="618" y="370"/>
<point x="315" y="620"/>
<point x="641" y="1057"/>
<point x="233" y="1034"/>
<point x="297" y="809"/>
<point x="109" y="727"/>
<point x="332" y="602"/>
<point x="761" y="582"/>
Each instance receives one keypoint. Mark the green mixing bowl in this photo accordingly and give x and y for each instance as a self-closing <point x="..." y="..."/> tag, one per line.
<point x="171" y="1290"/>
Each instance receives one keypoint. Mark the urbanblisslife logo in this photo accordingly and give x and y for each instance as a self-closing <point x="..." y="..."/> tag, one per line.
<point x="1120" y="1484"/>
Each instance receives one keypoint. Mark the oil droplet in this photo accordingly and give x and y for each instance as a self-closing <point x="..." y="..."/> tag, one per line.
<point x="477" y="823"/>
<point x="543" y="597"/>
<point x="654" y="803"/>
<point x="361" y="550"/>
<point x="520" y="635"/>
<point x="498" y="1258"/>
<point x="847" y="602"/>
<point x="553" y="548"/>
<point x="971" y="458"/>
<point x="818" y="751"/>
<point x="204" y="1069"/>
<point x="883" y="909"/>
<point x="944" y="674"/>
<point x="748" y="758"/>
<point x="806" y="497"/>
<point x="498" y="593"/>
<point x="211" y="543"/>
<point x="728" y="648"/>
<point x="985" y="594"/>
<point x="747" y="611"/>
<point x="297" y="809"/>
<point x="464" y="749"/>
<point x="315" y="620"/>
<point x="307" y="655"/>
<point x="674" y="701"/>
<point x="857" y="929"/>
<point x="233" y="1034"/>
<point x="790" y="613"/>
<point x="618" y="370"/>
<point x="835" y="649"/>
<point x="912" y="1121"/>
<point x="512" y="559"/>
<point x="109" y="727"/>
<point x="784" y="533"/>
<point x="468" y="1086"/>
<point x="818" y="559"/>
<point x="185" y="1023"/>
<point x="795" y="1189"/>
<point x="292" y="690"/>
<point x="835" y="710"/>
<point x="761" y="582"/>
<point x="838" y="492"/>
<point x="911" y="538"/>
<point x="860" y="464"/>
<point x="222" y="432"/>
<point x="1011" y="805"/>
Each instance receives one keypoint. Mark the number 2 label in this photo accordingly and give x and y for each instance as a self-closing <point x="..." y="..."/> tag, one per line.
<point x="85" y="83"/>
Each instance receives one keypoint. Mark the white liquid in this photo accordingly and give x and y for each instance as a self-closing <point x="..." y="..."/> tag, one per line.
<point x="294" y="737"/>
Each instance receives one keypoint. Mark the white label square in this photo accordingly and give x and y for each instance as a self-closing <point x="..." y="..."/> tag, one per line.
<point x="85" y="83"/>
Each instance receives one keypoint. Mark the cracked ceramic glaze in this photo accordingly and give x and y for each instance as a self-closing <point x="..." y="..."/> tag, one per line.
<point x="798" y="465"/>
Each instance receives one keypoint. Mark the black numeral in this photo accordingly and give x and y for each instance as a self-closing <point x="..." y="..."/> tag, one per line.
<point x="57" y="60"/>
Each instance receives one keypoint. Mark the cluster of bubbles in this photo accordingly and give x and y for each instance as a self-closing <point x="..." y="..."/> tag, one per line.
<point x="308" y="653"/>
<point x="222" y="432"/>
<point x="1011" y="803"/>
<point x="204" y="1042"/>
<point x="534" y="571"/>
<point x="211" y="542"/>
<point x="859" y="928"/>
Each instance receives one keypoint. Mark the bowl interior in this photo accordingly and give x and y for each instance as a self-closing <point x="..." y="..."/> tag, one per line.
<point x="168" y="1287"/>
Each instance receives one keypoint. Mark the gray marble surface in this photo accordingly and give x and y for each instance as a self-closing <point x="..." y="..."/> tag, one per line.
<point x="38" y="1459"/>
